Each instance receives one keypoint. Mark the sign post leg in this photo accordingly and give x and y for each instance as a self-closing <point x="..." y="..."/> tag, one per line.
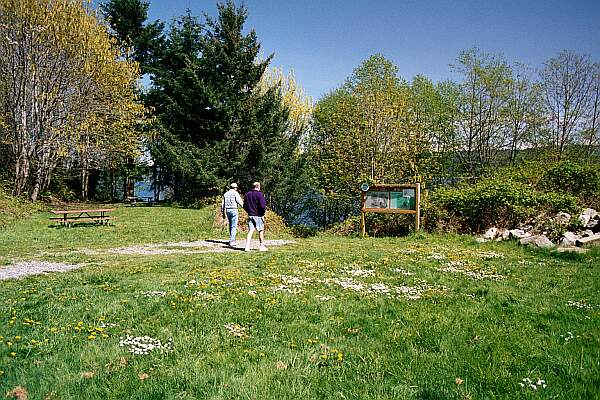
<point x="418" y="208"/>
<point x="362" y="224"/>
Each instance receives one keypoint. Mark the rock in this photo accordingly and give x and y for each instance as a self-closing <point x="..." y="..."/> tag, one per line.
<point x="591" y="212"/>
<point x="593" y="240"/>
<point x="518" y="234"/>
<point x="587" y="232"/>
<point x="562" y="218"/>
<point x="538" y="241"/>
<point x="585" y="219"/>
<point x="572" y="250"/>
<point x="491" y="233"/>
<point x="506" y="235"/>
<point x="569" y="239"/>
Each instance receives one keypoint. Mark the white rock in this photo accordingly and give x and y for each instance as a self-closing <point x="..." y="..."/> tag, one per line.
<point x="569" y="239"/>
<point x="518" y="233"/>
<point x="491" y="233"/>
<point x="538" y="241"/>
<point x="585" y="219"/>
<point x="591" y="212"/>
<point x="593" y="240"/>
<point x="563" y="218"/>
<point x="506" y="235"/>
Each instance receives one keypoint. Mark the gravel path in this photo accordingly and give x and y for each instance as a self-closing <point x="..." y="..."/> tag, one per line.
<point x="26" y="268"/>
<point x="196" y="247"/>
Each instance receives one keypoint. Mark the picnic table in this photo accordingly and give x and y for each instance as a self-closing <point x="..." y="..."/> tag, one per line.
<point x="67" y="217"/>
<point x="141" y="200"/>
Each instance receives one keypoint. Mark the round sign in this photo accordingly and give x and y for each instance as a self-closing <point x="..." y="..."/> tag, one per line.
<point x="364" y="187"/>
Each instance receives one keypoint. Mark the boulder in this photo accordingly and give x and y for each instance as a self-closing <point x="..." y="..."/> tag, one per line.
<point x="591" y="212"/>
<point x="538" y="241"/>
<point x="506" y="235"/>
<point x="491" y="233"/>
<point x="585" y="219"/>
<point x="562" y="218"/>
<point x="569" y="239"/>
<point x="518" y="234"/>
<point x="593" y="240"/>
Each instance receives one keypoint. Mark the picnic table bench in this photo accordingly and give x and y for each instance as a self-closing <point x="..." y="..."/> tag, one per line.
<point x="141" y="200"/>
<point x="67" y="217"/>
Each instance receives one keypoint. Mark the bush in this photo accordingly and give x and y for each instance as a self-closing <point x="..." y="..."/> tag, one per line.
<point x="572" y="178"/>
<point x="12" y="208"/>
<point x="303" y="231"/>
<point x="490" y="202"/>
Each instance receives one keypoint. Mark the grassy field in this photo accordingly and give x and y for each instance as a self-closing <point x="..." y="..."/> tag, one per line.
<point x="420" y="317"/>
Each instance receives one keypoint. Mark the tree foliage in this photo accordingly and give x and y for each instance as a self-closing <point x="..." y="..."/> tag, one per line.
<point x="66" y="90"/>
<point x="208" y="97"/>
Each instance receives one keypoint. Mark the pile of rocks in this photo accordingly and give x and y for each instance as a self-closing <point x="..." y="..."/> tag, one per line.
<point x="588" y="235"/>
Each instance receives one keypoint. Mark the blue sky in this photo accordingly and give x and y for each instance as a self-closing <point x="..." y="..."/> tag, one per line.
<point x="322" y="41"/>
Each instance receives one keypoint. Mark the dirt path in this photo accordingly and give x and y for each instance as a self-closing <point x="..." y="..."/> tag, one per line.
<point x="33" y="267"/>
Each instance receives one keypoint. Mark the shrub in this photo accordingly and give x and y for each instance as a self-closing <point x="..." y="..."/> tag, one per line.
<point x="303" y="231"/>
<point x="575" y="179"/>
<point x="12" y="208"/>
<point x="473" y="208"/>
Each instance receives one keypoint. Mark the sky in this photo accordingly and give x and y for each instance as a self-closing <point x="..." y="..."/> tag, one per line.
<point x="323" y="41"/>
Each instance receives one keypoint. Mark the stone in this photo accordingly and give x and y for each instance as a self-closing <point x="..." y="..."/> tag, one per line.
<point x="585" y="219"/>
<point x="591" y="212"/>
<point x="506" y="235"/>
<point x="569" y="239"/>
<point x="491" y="233"/>
<point x="562" y="218"/>
<point x="593" y="240"/>
<point x="518" y="234"/>
<point x="540" y="241"/>
<point x="579" y="250"/>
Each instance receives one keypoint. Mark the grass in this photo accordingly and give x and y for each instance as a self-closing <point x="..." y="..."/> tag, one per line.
<point x="420" y="317"/>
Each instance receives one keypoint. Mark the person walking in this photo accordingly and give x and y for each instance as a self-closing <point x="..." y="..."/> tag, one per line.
<point x="229" y="209"/>
<point x="255" y="205"/>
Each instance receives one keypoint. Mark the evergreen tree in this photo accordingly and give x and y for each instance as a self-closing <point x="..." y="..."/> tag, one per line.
<point x="218" y="125"/>
<point x="128" y="20"/>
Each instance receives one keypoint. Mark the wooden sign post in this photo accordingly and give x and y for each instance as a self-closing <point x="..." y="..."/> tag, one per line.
<point x="391" y="199"/>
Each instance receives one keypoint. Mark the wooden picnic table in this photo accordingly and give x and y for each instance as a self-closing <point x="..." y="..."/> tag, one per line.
<point x="97" y="215"/>
<point x="141" y="200"/>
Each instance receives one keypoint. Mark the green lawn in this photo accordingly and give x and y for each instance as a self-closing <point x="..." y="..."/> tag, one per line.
<point x="421" y="317"/>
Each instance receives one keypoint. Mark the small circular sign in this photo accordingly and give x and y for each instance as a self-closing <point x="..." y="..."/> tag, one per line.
<point x="364" y="187"/>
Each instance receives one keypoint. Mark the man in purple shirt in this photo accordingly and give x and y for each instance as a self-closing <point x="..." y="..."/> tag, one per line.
<point x="255" y="205"/>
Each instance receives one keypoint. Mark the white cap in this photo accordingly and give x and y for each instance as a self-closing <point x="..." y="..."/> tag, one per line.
<point x="233" y="185"/>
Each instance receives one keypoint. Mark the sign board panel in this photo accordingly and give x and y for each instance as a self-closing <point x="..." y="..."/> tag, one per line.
<point x="404" y="200"/>
<point x="377" y="200"/>
<point x="400" y="199"/>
